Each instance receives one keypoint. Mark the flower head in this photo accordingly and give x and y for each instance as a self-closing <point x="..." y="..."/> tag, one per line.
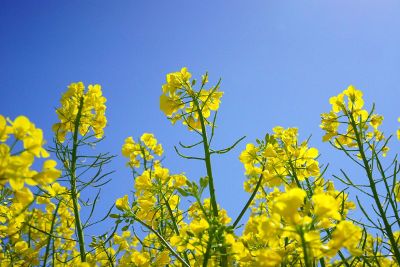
<point x="85" y="110"/>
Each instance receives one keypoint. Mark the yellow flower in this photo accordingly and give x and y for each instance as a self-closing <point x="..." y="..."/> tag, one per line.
<point x="178" y="95"/>
<point x="19" y="171"/>
<point x="123" y="203"/>
<point x="347" y="235"/>
<point x="288" y="204"/>
<point x="21" y="127"/>
<point x="330" y="125"/>
<point x="140" y="259"/>
<point x="355" y="98"/>
<point x="176" y="80"/>
<point x="192" y="123"/>
<point x="397" y="191"/>
<point x="162" y="259"/>
<point x="4" y="129"/>
<point x="210" y="98"/>
<point x="269" y="151"/>
<point x="398" y="131"/>
<point x="146" y="201"/>
<point x="353" y="116"/>
<point x="326" y="206"/>
<point x="31" y="136"/>
<point x="170" y="104"/>
<point x="92" y="111"/>
<point x="249" y="154"/>
<point x="55" y="189"/>
<point x="337" y="103"/>
<point x="146" y="148"/>
<point x="179" y="179"/>
<point x="143" y="182"/>
<point x="267" y="258"/>
<point x="48" y="174"/>
<point x="21" y="246"/>
<point x="198" y="226"/>
<point x="376" y="121"/>
<point x="24" y="196"/>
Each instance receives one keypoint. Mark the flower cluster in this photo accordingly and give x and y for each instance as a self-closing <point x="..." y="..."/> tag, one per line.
<point x="28" y="232"/>
<point x="296" y="224"/>
<point x="279" y="160"/>
<point x="146" y="149"/>
<point x="23" y="235"/>
<point x="179" y="101"/>
<point x="347" y="110"/>
<point x="294" y="230"/>
<point x="84" y="110"/>
<point x="16" y="166"/>
<point x="195" y="234"/>
<point x="296" y="215"/>
<point x="32" y="234"/>
<point x="155" y="202"/>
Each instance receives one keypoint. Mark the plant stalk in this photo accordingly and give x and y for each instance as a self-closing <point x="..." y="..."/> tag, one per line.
<point x="74" y="193"/>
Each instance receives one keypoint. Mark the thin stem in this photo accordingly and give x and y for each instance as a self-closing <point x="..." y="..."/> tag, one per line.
<point x="208" y="249"/>
<point x="250" y="199"/>
<point x="165" y="243"/>
<point x="207" y="159"/>
<point x="382" y="214"/>
<point x="305" y="250"/>
<point x="389" y="194"/>
<point x="46" y="255"/>
<point x="174" y="223"/>
<point x="74" y="194"/>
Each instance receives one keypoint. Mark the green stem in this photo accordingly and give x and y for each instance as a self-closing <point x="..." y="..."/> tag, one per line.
<point x="109" y="257"/>
<point x="389" y="194"/>
<point x="208" y="249"/>
<point x="294" y="174"/>
<point x="165" y="243"/>
<point x="368" y="170"/>
<point x="174" y="223"/>
<point x="250" y="199"/>
<point x="74" y="193"/>
<point x="46" y="255"/>
<point x="171" y="214"/>
<point x="305" y="250"/>
<point x="207" y="159"/>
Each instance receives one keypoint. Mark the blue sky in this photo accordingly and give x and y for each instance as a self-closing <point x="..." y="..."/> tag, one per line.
<point x="279" y="61"/>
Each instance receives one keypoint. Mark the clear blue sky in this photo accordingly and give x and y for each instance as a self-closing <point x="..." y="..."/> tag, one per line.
<point x="280" y="61"/>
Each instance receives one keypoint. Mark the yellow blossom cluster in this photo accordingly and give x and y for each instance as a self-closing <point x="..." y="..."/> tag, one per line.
<point x="279" y="160"/>
<point x="155" y="202"/>
<point x="194" y="235"/>
<point x="20" y="143"/>
<point x="145" y="149"/>
<point x="84" y="110"/>
<point x="179" y="101"/>
<point x="25" y="231"/>
<point x="296" y="217"/>
<point x="152" y="181"/>
<point x="295" y="225"/>
<point x="347" y="110"/>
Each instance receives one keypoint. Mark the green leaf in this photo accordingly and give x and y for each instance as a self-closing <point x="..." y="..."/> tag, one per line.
<point x="183" y="192"/>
